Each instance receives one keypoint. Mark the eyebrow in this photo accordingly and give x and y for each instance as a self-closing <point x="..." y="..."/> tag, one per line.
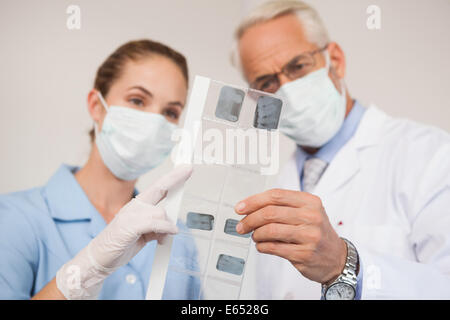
<point x="263" y="77"/>
<point x="176" y="103"/>
<point x="172" y="103"/>
<point x="267" y="75"/>
<point x="142" y="89"/>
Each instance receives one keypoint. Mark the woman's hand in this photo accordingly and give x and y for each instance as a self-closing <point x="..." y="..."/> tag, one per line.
<point x="137" y="223"/>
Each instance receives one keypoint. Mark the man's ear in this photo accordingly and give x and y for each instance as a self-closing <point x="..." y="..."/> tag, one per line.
<point x="95" y="107"/>
<point x="337" y="59"/>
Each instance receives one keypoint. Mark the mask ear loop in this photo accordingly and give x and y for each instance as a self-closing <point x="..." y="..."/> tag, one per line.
<point x="341" y="81"/>
<point x="103" y="102"/>
<point x="327" y="60"/>
<point x="105" y="105"/>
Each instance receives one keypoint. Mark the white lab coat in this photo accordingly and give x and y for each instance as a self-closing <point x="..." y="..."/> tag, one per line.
<point x="390" y="188"/>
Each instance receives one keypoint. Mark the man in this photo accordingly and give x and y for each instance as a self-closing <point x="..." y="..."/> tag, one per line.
<point x="380" y="183"/>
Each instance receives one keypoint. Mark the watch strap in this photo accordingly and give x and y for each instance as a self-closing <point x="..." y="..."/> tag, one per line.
<point x="348" y="275"/>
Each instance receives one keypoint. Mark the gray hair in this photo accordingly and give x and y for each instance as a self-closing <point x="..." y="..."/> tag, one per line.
<point x="312" y="23"/>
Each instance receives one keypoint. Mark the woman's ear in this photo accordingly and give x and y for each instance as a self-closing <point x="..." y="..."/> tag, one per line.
<point x="95" y="107"/>
<point x="337" y="59"/>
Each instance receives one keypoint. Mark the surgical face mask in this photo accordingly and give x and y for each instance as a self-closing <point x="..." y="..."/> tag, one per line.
<point x="314" y="109"/>
<point x="132" y="142"/>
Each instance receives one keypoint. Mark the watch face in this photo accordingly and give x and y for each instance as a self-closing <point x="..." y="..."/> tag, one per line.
<point x="340" y="291"/>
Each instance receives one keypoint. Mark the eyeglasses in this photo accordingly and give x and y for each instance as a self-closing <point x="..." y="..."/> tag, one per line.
<point x="296" y="68"/>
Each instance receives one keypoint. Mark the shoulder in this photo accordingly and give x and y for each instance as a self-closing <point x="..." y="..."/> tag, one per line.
<point x="413" y="156"/>
<point x="412" y="142"/>
<point x="412" y="132"/>
<point x="27" y="203"/>
<point x="20" y="242"/>
<point x="21" y="213"/>
<point x="417" y="158"/>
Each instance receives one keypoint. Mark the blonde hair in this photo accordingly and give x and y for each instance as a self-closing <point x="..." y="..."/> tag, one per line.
<point x="312" y="23"/>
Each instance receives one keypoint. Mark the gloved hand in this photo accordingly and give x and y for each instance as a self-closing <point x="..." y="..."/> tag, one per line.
<point x="137" y="223"/>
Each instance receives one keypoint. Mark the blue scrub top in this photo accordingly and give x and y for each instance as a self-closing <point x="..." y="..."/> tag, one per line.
<point x="43" y="228"/>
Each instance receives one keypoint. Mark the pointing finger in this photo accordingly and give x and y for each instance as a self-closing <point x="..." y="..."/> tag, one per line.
<point x="158" y="191"/>
<point x="276" y="197"/>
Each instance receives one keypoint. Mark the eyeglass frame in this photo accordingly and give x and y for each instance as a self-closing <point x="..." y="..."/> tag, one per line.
<point x="283" y="69"/>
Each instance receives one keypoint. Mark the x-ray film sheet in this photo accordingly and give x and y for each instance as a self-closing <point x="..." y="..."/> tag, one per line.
<point x="222" y="176"/>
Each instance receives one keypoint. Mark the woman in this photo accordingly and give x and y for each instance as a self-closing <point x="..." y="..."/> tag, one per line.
<point x="73" y="238"/>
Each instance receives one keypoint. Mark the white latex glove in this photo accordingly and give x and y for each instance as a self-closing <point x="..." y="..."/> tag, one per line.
<point x="137" y="223"/>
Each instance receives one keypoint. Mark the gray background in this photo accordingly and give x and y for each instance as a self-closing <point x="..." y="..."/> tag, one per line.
<point x="47" y="70"/>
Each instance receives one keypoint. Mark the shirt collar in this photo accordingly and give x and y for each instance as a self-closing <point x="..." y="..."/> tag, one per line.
<point x="65" y="197"/>
<point x="67" y="200"/>
<point x="347" y="130"/>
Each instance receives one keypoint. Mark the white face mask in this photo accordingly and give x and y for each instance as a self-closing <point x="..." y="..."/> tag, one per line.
<point x="132" y="142"/>
<point x="314" y="109"/>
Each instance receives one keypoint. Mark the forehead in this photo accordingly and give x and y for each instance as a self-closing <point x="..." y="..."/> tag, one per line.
<point x="158" y="74"/>
<point x="265" y="47"/>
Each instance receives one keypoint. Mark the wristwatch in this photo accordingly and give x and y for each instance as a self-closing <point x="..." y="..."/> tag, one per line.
<point x="344" y="287"/>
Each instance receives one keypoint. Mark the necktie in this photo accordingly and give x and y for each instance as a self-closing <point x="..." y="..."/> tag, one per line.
<point x="312" y="171"/>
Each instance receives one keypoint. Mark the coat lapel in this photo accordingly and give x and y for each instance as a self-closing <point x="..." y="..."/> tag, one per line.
<point x="346" y="164"/>
<point x="342" y="169"/>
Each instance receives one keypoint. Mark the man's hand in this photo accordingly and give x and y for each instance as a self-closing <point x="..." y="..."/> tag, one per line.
<point x="294" y="226"/>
